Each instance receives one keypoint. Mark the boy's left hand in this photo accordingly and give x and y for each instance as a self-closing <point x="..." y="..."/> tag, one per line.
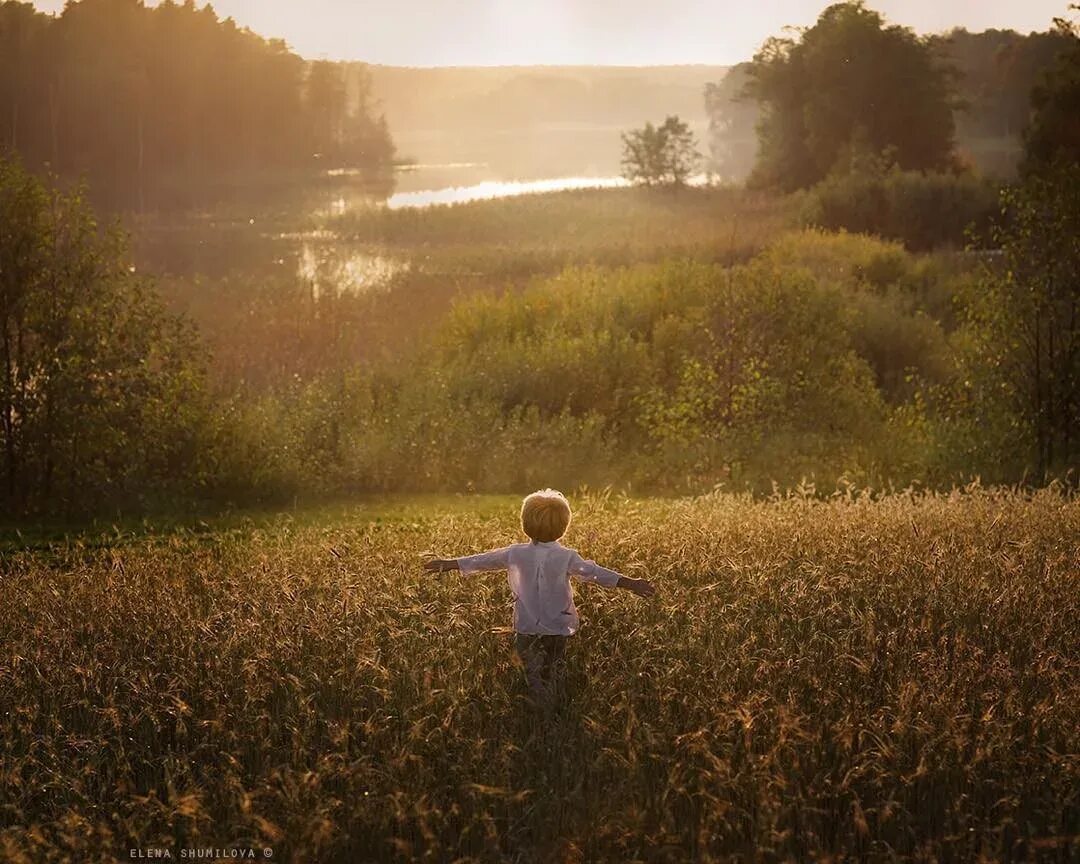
<point x="641" y="587"/>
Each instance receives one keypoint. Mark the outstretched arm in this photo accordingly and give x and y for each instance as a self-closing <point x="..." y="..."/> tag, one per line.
<point x="496" y="559"/>
<point x="590" y="571"/>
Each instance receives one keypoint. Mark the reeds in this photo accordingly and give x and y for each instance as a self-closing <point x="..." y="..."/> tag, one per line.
<point x="847" y="679"/>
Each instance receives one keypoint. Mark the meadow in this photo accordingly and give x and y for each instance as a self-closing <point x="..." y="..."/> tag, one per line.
<point x="505" y="244"/>
<point x="852" y="677"/>
<point x="237" y="272"/>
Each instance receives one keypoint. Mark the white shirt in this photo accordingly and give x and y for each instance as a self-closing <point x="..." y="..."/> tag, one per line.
<point x="539" y="575"/>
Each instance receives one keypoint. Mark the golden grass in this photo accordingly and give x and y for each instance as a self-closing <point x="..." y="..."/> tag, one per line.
<point x="844" y="679"/>
<point x="535" y="234"/>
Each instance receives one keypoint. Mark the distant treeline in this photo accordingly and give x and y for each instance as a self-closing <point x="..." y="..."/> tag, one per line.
<point x="155" y="107"/>
<point x="886" y="132"/>
<point x="461" y="100"/>
<point x="532" y="121"/>
<point x="991" y="76"/>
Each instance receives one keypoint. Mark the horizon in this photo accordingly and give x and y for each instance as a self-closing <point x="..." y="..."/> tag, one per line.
<point x="562" y="33"/>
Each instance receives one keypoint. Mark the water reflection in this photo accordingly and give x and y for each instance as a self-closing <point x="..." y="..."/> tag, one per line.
<point x="329" y="270"/>
<point x="458" y="183"/>
<point x="499" y="189"/>
<point x="338" y="206"/>
<point x="284" y="238"/>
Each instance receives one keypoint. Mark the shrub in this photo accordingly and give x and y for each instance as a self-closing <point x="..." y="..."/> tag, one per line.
<point x="671" y="376"/>
<point x="886" y="294"/>
<point x="921" y="210"/>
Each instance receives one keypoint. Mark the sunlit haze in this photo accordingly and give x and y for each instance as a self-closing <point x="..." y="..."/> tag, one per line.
<point x="608" y="32"/>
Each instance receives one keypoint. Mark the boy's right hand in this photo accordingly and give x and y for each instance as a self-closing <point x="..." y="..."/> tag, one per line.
<point x="441" y="565"/>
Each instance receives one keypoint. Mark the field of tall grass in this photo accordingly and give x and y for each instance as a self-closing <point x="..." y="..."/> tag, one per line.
<point x="856" y="677"/>
<point x="616" y="226"/>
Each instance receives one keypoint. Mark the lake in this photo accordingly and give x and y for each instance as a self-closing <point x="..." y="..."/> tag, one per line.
<point x="459" y="183"/>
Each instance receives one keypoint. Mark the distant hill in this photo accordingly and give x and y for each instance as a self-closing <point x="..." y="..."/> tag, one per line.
<point x="533" y="121"/>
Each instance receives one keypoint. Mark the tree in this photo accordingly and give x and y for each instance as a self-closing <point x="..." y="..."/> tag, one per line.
<point x="848" y="79"/>
<point x="997" y="70"/>
<point x="733" y="119"/>
<point x="1053" y="132"/>
<point x="664" y="155"/>
<point x="98" y="383"/>
<point x="1019" y="382"/>
<point x="367" y="140"/>
<point x="166" y="106"/>
<point x="1024" y="327"/>
<point x="324" y="99"/>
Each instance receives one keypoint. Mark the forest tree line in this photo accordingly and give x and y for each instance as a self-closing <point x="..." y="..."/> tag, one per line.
<point x="990" y="77"/>
<point x="163" y="107"/>
<point x="886" y="132"/>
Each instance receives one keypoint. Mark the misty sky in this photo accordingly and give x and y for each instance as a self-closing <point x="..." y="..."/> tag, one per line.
<point x="610" y="32"/>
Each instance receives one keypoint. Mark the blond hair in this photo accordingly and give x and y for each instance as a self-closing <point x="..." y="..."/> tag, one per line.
<point x="545" y="515"/>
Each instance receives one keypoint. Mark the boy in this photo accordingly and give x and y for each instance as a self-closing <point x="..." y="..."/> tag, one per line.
<point x="538" y="573"/>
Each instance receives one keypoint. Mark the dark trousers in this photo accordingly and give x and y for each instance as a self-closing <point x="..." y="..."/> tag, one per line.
<point x="543" y="659"/>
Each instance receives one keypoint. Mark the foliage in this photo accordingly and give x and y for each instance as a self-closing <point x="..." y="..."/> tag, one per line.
<point x="849" y="82"/>
<point x="320" y="386"/>
<point x="995" y="72"/>
<point x="880" y="678"/>
<point x="99" y="394"/>
<point x="923" y="210"/>
<point x="490" y="246"/>
<point x="1019" y="373"/>
<point x="672" y="376"/>
<point x="194" y="104"/>
<point x="369" y="285"/>
<point x="1053" y="132"/>
<point x="664" y="155"/>
<point x="427" y="384"/>
<point x="893" y="305"/>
